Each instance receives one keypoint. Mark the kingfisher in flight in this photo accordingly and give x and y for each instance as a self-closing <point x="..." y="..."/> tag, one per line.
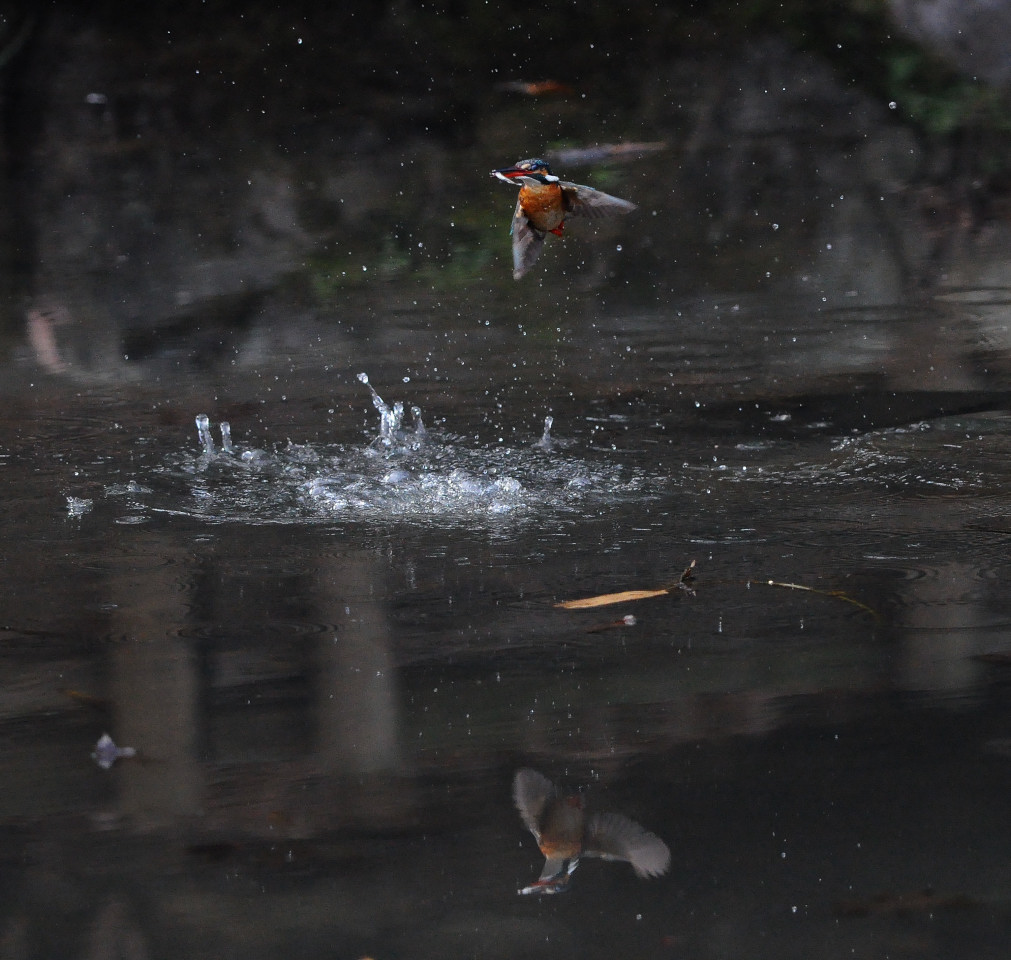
<point x="565" y="832"/>
<point x="543" y="205"/>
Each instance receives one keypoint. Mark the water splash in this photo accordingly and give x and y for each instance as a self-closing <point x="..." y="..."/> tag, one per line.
<point x="419" y="427"/>
<point x="78" y="506"/>
<point x="546" y="443"/>
<point x="402" y="473"/>
<point x="389" y="417"/>
<point x="204" y="433"/>
<point x="207" y="441"/>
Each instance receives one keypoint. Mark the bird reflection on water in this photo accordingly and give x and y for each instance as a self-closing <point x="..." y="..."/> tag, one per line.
<point x="565" y="832"/>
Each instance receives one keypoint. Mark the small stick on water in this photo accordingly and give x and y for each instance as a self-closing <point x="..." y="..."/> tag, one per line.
<point x="834" y="594"/>
<point x="687" y="575"/>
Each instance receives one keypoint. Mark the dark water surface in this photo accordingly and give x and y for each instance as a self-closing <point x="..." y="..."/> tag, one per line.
<point x="331" y="654"/>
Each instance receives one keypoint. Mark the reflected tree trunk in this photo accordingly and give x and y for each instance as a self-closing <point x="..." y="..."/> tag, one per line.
<point x="155" y="689"/>
<point x="940" y="636"/>
<point x="357" y="695"/>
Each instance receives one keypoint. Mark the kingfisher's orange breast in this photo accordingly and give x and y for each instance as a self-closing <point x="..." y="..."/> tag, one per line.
<point x="543" y="205"/>
<point x="562" y="829"/>
<point x="561" y="848"/>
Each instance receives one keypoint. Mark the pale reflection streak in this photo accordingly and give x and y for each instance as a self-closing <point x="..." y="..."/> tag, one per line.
<point x="158" y="688"/>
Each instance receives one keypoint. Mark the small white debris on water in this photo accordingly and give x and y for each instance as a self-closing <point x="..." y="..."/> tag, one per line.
<point x="106" y="753"/>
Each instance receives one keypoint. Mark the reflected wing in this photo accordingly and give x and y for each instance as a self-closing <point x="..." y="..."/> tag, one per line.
<point x="614" y="837"/>
<point x="531" y="793"/>
<point x="583" y="201"/>
<point x="527" y="245"/>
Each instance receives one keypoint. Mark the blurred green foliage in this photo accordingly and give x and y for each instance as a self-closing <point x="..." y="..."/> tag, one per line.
<point x="458" y="47"/>
<point x="861" y="40"/>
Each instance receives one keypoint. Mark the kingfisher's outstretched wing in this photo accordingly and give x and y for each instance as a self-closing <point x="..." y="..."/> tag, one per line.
<point x="528" y="242"/>
<point x="583" y="201"/>
<point x="614" y="837"/>
<point x="531" y="793"/>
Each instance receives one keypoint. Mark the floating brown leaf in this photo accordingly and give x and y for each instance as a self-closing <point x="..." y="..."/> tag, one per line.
<point x="605" y="599"/>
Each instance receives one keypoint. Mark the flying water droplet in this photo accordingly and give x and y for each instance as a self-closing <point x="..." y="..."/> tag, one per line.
<point x="419" y="426"/>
